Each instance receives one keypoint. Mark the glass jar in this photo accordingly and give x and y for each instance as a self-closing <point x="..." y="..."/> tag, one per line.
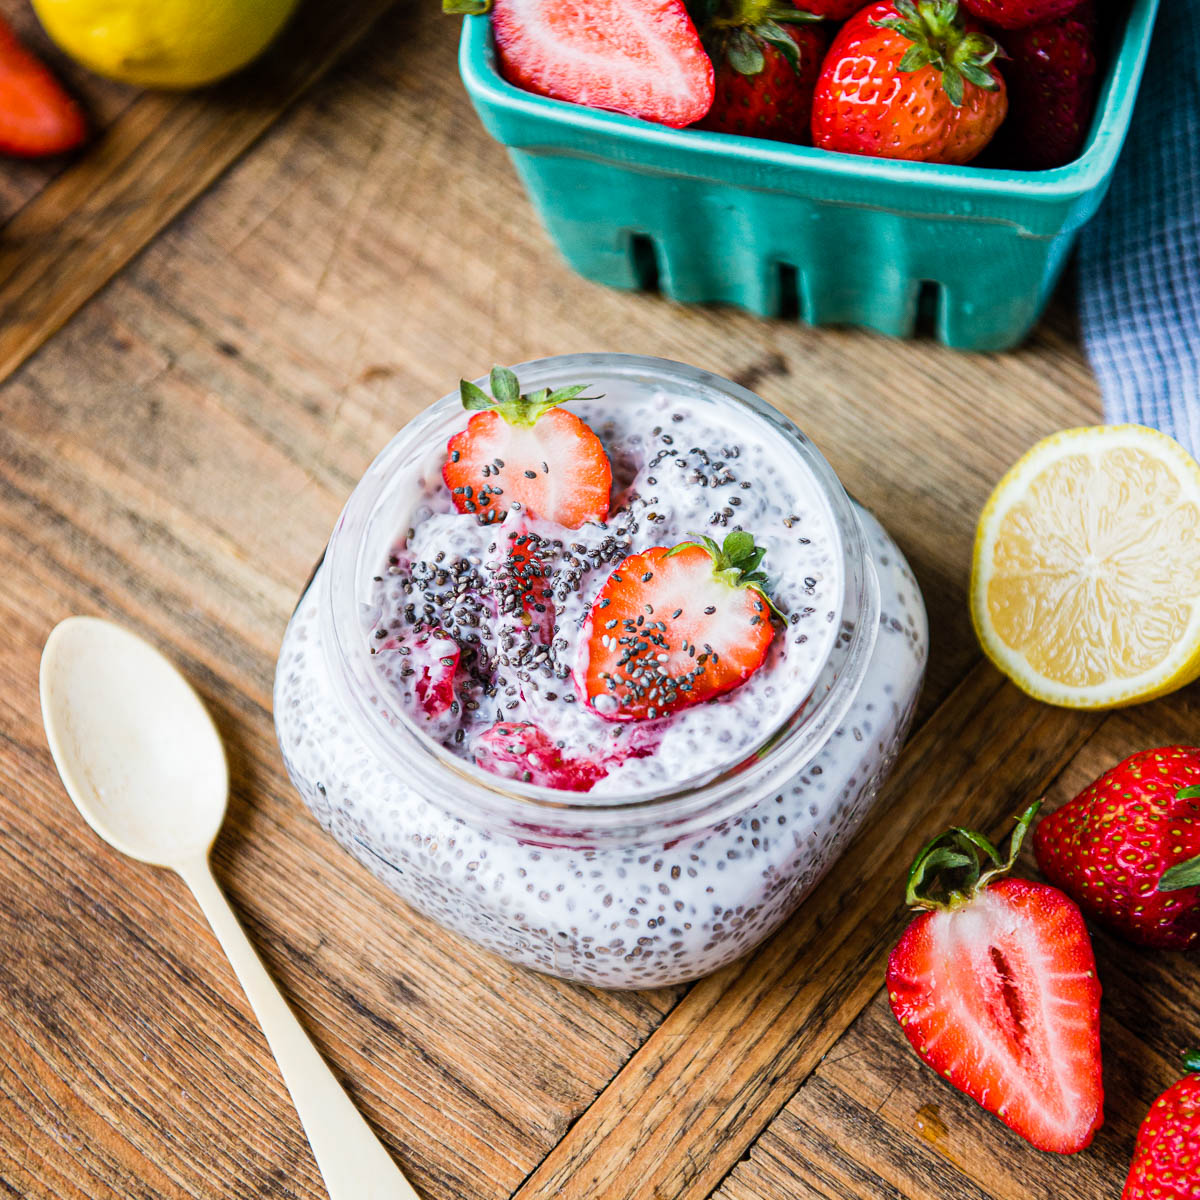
<point x="638" y="889"/>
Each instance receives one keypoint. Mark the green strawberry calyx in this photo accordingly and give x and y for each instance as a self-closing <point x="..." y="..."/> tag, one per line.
<point x="511" y="403"/>
<point x="940" y="39"/>
<point x="1191" y="1061"/>
<point x="466" y="8"/>
<point x="1185" y="874"/>
<point x="735" y="31"/>
<point x="958" y="864"/>
<point x="735" y="562"/>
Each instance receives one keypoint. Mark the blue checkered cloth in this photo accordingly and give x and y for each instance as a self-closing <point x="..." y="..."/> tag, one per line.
<point x="1139" y="260"/>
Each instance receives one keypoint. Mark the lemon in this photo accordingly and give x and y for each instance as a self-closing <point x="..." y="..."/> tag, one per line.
<point x="1085" y="585"/>
<point x="163" y="43"/>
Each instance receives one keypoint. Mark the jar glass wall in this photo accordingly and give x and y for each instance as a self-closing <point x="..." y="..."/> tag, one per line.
<point x="620" y="890"/>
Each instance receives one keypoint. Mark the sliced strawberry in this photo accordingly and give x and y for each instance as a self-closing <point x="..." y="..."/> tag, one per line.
<point x="996" y="989"/>
<point x="36" y="116"/>
<point x="525" y="752"/>
<point x="431" y="656"/>
<point x="640" y="57"/>
<point x="526" y="451"/>
<point x="674" y="627"/>
<point x="522" y="584"/>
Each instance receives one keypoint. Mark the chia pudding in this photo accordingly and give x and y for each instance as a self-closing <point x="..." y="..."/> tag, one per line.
<point x="574" y="791"/>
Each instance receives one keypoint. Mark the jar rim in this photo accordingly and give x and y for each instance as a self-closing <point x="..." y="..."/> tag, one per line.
<point x="469" y="790"/>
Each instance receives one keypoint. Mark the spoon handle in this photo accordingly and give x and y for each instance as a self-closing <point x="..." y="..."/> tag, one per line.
<point x="353" y="1163"/>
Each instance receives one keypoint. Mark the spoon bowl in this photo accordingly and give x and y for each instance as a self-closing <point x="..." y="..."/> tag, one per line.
<point x="137" y="750"/>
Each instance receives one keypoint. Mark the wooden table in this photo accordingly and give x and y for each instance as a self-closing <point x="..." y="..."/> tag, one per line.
<point x="209" y="324"/>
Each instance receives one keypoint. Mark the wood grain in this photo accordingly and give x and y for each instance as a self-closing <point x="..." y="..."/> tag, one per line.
<point x="730" y="1054"/>
<point x="871" y="1121"/>
<point x="103" y="101"/>
<point x="176" y="456"/>
<point x="142" y="169"/>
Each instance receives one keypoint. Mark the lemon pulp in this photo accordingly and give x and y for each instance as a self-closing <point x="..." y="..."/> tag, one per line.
<point x="1086" y="578"/>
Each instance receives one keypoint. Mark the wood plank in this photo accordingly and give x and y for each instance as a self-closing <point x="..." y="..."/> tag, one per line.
<point x="146" y="167"/>
<point x="729" y="1056"/>
<point x="421" y="1024"/>
<point x="871" y="1121"/>
<point x="176" y="457"/>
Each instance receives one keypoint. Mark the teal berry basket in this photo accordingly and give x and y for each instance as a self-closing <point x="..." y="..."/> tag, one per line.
<point x="787" y="230"/>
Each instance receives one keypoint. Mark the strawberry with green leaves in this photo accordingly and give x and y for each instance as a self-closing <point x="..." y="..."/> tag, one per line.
<point x="995" y="987"/>
<point x="1127" y="848"/>
<point x="1166" y="1158"/>
<point x="767" y="56"/>
<point x="528" y="453"/>
<point x="912" y="80"/>
<point x="675" y="627"/>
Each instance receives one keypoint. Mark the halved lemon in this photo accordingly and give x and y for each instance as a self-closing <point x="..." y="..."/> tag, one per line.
<point x="1085" y="585"/>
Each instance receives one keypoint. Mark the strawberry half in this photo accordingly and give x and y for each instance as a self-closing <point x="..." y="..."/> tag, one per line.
<point x="1166" y="1159"/>
<point x="674" y="627"/>
<point x="37" y="117"/>
<point x="995" y="987"/>
<point x="1127" y="848"/>
<point x="640" y="57"/>
<point x="525" y="452"/>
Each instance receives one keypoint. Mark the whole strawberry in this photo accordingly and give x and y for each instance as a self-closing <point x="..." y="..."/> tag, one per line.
<point x="1017" y="14"/>
<point x="1051" y="90"/>
<point x="909" y="80"/>
<point x="766" y="57"/>
<point x="995" y="987"/>
<point x="832" y="10"/>
<point x="1166" y="1159"/>
<point x="1127" y="848"/>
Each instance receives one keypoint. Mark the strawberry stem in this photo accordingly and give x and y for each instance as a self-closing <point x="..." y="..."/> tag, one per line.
<point x="467" y="8"/>
<point x="508" y="400"/>
<point x="736" y="32"/>
<point x="940" y="40"/>
<point x="954" y="867"/>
